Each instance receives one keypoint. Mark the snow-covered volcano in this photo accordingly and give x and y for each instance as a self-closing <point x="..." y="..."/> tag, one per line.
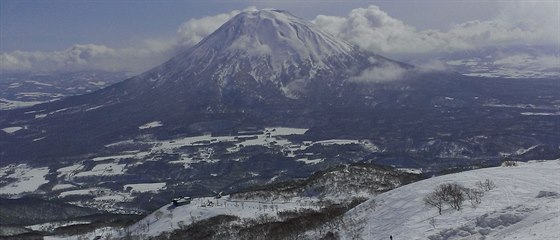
<point x="270" y="49"/>
<point x="268" y="43"/>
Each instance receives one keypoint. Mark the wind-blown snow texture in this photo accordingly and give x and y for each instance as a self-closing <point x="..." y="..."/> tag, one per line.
<point x="524" y="205"/>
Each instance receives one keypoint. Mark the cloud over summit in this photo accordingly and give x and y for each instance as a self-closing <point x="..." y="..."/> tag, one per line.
<point x="194" y="30"/>
<point x="371" y="28"/>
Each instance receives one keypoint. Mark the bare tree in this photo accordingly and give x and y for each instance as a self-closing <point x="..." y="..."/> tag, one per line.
<point x="433" y="199"/>
<point x="509" y="163"/>
<point x="486" y="185"/>
<point x="456" y="196"/>
<point x="474" y="196"/>
<point x="447" y="193"/>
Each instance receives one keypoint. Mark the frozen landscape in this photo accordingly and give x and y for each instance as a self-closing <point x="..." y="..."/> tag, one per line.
<point x="264" y="123"/>
<point x="523" y="203"/>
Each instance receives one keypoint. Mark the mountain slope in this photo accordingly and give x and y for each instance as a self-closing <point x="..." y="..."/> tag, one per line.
<point x="524" y="205"/>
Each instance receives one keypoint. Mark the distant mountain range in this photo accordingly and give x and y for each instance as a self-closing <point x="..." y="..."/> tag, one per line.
<point x="19" y="90"/>
<point x="518" y="61"/>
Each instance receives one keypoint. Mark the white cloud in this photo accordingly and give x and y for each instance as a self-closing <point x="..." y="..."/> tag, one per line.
<point x="194" y="30"/>
<point x="383" y="72"/>
<point x="252" y="47"/>
<point x="375" y="30"/>
<point x="133" y="59"/>
<point x="432" y="65"/>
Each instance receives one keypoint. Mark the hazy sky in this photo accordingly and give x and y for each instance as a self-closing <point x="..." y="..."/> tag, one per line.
<point x="74" y="34"/>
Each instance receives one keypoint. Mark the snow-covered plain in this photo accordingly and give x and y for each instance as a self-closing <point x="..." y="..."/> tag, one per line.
<point x="151" y="125"/>
<point x="524" y="205"/>
<point x="27" y="179"/>
<point x="6" y="104"/>
<point x="11" y="130"/>
<point x="145" y="187"/>
<point x="540" y="113"/>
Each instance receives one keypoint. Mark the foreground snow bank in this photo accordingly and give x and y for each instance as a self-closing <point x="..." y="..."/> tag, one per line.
<point x="524" y="205"/>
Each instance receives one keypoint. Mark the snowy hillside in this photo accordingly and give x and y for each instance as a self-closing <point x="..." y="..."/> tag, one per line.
<point x="269" y="43"/>
<point x="169" y="217"/>
<point x="314" y="200"/>
<point x="525" y="204"/>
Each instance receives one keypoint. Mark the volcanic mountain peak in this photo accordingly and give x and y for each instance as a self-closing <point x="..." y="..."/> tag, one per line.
<point x="266" y="45"/>
<point x="273" y="31"/>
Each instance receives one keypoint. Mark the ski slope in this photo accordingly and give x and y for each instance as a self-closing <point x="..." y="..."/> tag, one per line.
<point x="525" y="204"/>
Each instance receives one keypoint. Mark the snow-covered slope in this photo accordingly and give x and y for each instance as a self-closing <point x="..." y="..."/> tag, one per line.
<point x="170" y="217"/>
<point x="525" y="204"/>
<point x="270" y="50"/>
<point x="267" y="43"/>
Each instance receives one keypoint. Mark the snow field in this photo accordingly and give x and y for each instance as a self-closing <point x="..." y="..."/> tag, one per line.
<point x="151" y="125"/>
<point x="11" y="130"/>
<point x="270" y="136"/>
<point x="6" y="104"/>
<point x="145" y="187"/>
<point x="27" y="179"/>
<point x="104" y="169"/>
<point x="510" y="211"/>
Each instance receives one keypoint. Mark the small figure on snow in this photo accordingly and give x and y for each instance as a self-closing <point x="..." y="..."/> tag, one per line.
<point x="391" y="237"/>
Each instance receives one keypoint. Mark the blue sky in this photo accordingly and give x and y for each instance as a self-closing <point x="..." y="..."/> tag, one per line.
<point x="115" y="35"/>
<point x="56" y="24"/>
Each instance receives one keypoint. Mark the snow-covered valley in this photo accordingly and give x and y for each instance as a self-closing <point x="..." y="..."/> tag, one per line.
<point x="119" y="177"/>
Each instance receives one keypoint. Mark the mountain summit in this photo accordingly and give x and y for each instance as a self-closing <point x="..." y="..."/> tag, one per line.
<point x="269" y="49"/>
<point x="276" y="36"/>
